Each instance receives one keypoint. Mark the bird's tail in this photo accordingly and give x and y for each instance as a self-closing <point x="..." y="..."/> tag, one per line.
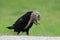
<point x="10" y="27"/>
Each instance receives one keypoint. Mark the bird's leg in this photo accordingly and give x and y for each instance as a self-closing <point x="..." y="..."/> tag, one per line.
<point x="27" y="32"/>
<point x="18" y="33"/>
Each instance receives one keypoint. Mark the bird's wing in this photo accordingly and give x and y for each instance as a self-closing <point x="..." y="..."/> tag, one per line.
<point x="18" y="22"/>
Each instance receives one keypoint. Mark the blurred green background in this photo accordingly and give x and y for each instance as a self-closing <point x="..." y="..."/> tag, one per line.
<point x="11" y="10"/>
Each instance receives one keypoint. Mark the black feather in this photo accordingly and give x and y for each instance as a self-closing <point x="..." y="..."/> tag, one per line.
<point x="20" y="24"/>
<point x="10" y="27"/>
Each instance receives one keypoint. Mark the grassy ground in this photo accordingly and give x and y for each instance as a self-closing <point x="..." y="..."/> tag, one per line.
<point x="11" y="10"/>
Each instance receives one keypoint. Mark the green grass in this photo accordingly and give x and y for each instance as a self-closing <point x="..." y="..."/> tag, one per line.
<point x="11" y="10"/>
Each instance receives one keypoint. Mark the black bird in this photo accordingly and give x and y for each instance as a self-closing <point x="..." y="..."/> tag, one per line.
<point x="25" y="22"/>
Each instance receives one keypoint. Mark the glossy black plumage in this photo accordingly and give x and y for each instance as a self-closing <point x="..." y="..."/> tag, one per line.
<point x="19" y="25"/>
